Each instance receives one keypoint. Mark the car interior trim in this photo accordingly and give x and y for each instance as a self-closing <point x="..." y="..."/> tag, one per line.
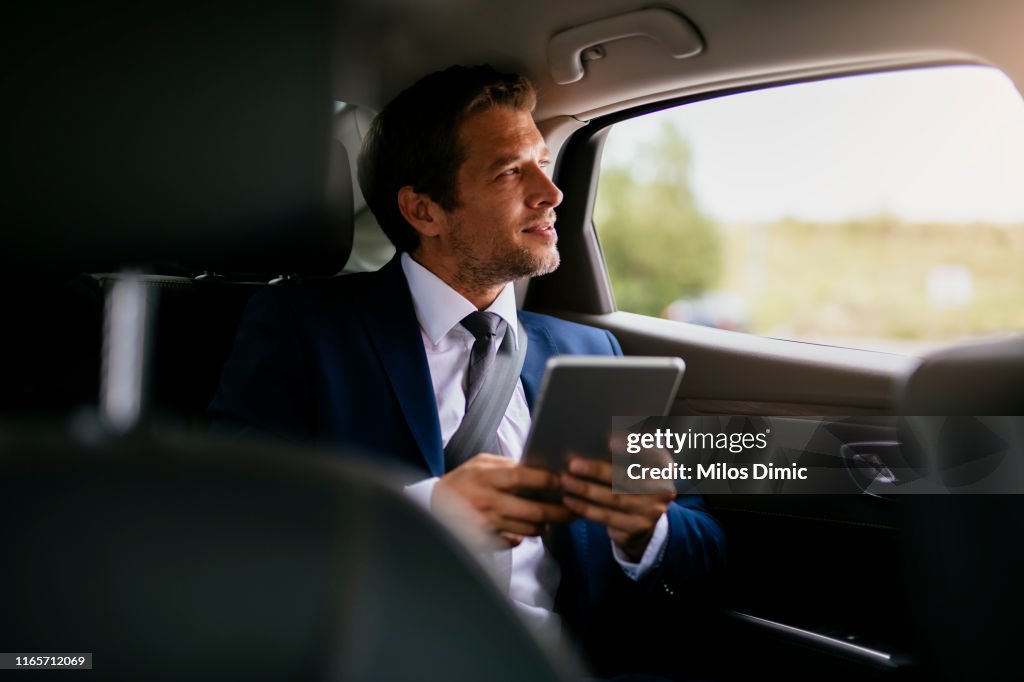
<point x="567" y="49"/>
<point x="688" y="93"/>
<point x="580" y="282"/>
<point x="863" y="653"/>
<point x="880" y="365"/>
<point x="831" y="520"/>
<point x="766" y="408"/>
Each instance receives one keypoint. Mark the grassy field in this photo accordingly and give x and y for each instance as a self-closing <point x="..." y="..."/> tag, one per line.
<point x="867" y="283"/>
<point x="881" y="283"/>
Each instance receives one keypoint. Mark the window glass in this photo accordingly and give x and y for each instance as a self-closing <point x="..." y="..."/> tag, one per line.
<point x="883" y="211"/>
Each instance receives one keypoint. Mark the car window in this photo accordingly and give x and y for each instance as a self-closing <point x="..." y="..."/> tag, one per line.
<point x="880" y="211"/>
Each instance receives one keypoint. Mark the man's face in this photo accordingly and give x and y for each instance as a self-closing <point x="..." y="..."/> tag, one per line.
<point x="504" y="225"/>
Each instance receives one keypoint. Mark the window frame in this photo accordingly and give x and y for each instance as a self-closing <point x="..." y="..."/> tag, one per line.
<point x="582" y="284"/>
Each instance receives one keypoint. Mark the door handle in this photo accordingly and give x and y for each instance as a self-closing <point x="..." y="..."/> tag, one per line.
<point x="870" y="463"/>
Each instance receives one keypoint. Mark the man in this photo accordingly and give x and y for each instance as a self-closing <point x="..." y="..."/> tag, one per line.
<point x="457" y="175"/>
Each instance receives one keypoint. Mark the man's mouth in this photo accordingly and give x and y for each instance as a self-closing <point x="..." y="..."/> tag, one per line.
<point x="541" y="229"/>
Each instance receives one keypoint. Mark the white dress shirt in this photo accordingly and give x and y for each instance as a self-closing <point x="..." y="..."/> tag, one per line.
<point x="440" y="309"/>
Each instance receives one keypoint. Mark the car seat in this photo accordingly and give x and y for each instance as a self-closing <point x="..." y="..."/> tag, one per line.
<point x="200" y="135"/>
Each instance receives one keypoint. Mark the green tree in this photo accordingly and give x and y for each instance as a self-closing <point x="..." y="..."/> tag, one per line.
<point x="657" y="243"/>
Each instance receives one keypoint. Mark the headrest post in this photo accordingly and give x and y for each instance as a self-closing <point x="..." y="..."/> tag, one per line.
<point x="126" y="333"/>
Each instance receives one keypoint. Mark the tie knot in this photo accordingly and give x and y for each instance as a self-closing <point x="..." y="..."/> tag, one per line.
<point x="482" y="324"/>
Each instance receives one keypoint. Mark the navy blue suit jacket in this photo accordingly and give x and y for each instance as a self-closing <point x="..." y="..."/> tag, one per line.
<point x="342" y="363"/>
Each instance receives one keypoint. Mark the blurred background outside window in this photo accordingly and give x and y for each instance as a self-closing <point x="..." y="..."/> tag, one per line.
<point x="883" y="211"/>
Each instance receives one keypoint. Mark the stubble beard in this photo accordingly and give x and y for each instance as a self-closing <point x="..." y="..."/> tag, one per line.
<point x="502" y="263"/>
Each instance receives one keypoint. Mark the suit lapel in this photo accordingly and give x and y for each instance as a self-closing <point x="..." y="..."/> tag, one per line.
<point x="541" y="347"/>
<point x="392" y="327"/>
<point x="394" y="331"/>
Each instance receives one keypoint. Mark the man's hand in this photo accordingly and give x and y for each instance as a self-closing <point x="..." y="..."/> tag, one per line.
<point x="489" y="486"/>
<point x="630" y="519"/>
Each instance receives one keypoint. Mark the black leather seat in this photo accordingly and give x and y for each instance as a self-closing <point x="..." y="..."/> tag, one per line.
<point x="170" y="558"/>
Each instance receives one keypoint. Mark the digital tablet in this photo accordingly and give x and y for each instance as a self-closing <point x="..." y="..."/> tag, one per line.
<point x="580" y="394"/>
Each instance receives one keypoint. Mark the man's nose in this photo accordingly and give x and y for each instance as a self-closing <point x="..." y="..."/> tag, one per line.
<point x="543" y="192"/>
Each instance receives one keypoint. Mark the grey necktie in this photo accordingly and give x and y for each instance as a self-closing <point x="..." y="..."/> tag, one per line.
<point x="488" y="329"/>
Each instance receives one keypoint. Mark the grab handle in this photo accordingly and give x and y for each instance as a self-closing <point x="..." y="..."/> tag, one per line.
<point x="675" y="33"/>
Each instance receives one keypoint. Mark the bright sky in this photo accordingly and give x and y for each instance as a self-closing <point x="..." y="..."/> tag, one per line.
<point x="942" y="144"/>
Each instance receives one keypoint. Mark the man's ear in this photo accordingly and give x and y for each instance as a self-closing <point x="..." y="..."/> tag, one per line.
<point x="420" y="211"/>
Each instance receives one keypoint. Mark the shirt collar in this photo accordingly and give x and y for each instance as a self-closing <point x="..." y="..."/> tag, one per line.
<point x="439" y="308"/>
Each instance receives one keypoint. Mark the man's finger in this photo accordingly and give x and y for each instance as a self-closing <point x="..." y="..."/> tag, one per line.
<point x="501" y="525"/>
<point x="594" y="469"/>
<point x="606" y="516"/>
<point x="531" y="511"/>
<point x="604" y="495"/>
<point x="588" y="470"/>
<point x="591" y="491"/>
<point x="521" y="478"/>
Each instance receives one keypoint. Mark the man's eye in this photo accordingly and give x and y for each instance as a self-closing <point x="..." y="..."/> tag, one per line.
<point x="510" y="171"/>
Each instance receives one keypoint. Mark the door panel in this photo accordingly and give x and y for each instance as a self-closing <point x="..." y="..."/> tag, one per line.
<point x="815" y="585"/>
<point x="772" y="376"/>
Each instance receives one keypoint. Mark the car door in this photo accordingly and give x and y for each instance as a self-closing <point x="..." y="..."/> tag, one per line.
<point x="817" y="583"/>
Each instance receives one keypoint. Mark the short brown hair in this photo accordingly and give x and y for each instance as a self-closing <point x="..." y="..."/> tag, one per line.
<point x="414" y="140"/>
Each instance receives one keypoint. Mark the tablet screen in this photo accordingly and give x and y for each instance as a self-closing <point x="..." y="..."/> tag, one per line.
<point x="580" y="394"/>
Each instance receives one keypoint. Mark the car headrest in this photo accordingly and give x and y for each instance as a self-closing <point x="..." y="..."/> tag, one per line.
<point x="351" y="125"/>
<point x="371" y="248"/>
<point x="184" y="132"/>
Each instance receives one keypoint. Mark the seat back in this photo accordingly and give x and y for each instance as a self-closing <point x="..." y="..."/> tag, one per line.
<point x="977" y="379"/>
<point x="171" y="137"/>
<point x="170" y="558"/>
<point x="964" y="558"/>
<point x="171" y="132"/>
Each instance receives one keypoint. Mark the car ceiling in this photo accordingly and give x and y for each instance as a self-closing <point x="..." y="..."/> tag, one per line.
<point x="385" y="45"/>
